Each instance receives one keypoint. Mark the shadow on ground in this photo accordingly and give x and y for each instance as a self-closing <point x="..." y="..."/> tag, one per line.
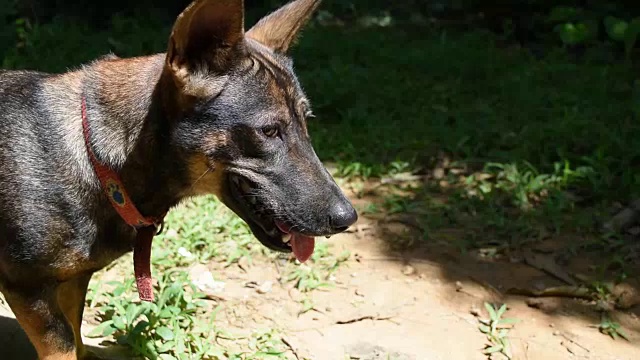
<point x="518" y="256"/>
<point x="14" y="342"/>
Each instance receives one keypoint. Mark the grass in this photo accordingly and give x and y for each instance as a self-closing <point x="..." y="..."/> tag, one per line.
<point x="611" y="328"/>
<point x="496" y="328"/>
<point x="180" y="324"/>
<point x="512" y="147"/>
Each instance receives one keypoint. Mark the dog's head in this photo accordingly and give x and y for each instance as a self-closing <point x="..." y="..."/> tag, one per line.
<point x="243" y="112"/>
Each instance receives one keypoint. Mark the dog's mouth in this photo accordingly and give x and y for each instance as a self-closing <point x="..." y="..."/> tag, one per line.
<point x="272" y="231"/>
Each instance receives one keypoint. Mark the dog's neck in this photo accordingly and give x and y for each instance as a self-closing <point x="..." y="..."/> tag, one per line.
<point x="130" y="131"/>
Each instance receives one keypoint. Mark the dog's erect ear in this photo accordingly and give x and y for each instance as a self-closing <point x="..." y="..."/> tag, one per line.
<point x="206" y="37"/>
<point x="279" y="29"/>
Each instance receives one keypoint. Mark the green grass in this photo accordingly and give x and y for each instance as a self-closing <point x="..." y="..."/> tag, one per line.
<point x="391" y="95"/>
<point x="180" y="324"/>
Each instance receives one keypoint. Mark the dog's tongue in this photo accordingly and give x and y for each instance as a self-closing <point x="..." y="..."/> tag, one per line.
<point x="301" y="245"/>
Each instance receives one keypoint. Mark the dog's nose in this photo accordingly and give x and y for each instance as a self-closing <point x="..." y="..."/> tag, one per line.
<point x="342" y="216"/>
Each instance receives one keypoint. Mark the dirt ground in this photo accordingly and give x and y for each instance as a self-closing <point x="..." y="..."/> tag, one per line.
<point x="422" y="304"/>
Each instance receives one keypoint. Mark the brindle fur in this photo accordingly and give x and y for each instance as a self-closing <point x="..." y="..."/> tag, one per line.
<point x="173" y="126"/>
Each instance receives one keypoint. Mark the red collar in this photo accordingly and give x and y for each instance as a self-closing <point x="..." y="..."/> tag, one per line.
<point x="146" y="227"/>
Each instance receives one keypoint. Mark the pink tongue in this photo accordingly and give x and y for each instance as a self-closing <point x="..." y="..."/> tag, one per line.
<point x="301" y="245"/>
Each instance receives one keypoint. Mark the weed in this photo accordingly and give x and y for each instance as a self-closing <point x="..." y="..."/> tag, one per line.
<point x="165" y="329"/>
<point x="611" y="328"/>
<point x="174" y="327"/>
<point x="206" y="229"/>
<point x="496" y="328"/>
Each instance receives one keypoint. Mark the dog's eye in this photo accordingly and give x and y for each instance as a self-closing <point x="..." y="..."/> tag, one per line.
<point x="271" y="131"/>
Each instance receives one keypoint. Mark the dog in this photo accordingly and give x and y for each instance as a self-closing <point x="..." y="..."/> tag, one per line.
<point x="92" y="160"/>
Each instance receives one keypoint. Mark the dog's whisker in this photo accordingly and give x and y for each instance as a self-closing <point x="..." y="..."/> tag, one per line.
<point x="199" y="178"/>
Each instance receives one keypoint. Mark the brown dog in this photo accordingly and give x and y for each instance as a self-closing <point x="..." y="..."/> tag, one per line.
<point x="93" y="159"/>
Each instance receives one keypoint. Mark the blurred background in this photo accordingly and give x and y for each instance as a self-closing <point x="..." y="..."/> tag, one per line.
<point x="491" y="147"/>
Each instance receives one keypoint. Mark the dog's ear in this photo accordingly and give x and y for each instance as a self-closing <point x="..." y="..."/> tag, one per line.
<point x="207" y="37"/>
<point x="279" y="29"/>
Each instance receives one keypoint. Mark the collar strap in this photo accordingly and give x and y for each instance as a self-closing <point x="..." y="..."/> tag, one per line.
<point x="146" y="227"/>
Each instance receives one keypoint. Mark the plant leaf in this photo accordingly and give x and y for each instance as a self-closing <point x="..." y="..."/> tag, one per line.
<point x="165" y="333"/>
<point x="502" y="310"/>
<point x="616" y="28"/>
<point x="491" y="310"/>
<point x="102" y="330"/>
<point x="119" y="322"/>
<point x="623" y="334"/>
<point x="493" y="349"/>
<point x="509" y="321"/>
<point x="140" y="327"/>
<point x="631" y="35"/>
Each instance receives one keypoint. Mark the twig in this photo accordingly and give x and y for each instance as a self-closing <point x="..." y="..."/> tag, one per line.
<point x="557" y="291"/>
<point x="362" y="318"/>
<point x="293" y="350"/>
<point x="569" y="339"/>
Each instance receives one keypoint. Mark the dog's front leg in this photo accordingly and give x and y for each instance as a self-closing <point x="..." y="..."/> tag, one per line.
<point x="51" y="317"/>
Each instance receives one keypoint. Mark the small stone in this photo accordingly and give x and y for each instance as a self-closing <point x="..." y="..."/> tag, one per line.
<point x="265" y="288"/>
<point x="171" y="234"/>
<point x="203" y="279"/>
<point x="409" y="270"/>
<point x="474" y="311"/>
<point x="626" y="295"/>
<point x="185" y="253"/>
<point x="359" y="293"/>
<point x="438" y="173"/>
<point x="458" y="286"/>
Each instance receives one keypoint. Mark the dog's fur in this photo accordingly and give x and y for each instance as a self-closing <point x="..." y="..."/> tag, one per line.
<point x="219" y="103"/>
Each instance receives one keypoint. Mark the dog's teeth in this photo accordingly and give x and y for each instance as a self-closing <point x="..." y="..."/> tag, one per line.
<point x="286" y="238"/>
